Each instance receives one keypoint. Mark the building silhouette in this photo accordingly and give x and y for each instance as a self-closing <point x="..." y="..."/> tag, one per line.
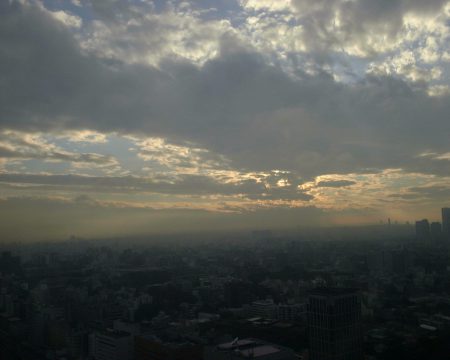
<point x="446" y="222"/>
<point x="435" y="230"/>
<point x="334" y="325"/>
<point x="422" y="229"/>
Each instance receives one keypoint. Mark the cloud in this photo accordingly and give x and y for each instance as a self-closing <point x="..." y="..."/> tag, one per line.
<point x="188" y="185"/>
<point x="435" y="156"/>
<point x="138" y="34"/>
<point x="180" y="159"/>
<point x="25" y="146"/>
<point x="335" y="183"/>
<point x="235" y="105"/>
<point x="440" y="193"/>
<point x="342" y="37"/>
<point x="83" y="136"/>
<point x="67" y="19"/>
<point x="392" y="190"/>
<point x="362" y="27"/>
<point x="272" y="5"/>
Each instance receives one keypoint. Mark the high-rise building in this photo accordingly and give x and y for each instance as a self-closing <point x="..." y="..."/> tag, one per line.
<point x="422" y="229"/>
<point x="334" y="325"/>
<point x="446" y="222"/>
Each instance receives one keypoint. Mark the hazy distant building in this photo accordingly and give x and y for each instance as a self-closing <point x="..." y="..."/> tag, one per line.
<point x="9" y="263"/>
<point x="379" y="262"/>
<point x="402" y="261"/>
<point x="334" y="325"/>
<point x="398" y="261"/>
<point x="435" y="230"/>
<point x="446" y="222"/>
<point x="422" y="229"/>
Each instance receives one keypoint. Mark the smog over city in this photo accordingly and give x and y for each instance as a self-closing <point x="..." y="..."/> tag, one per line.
<point x="199" y="179"/>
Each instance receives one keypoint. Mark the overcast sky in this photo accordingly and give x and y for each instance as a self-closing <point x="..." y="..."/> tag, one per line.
<point x="135" y="116"/>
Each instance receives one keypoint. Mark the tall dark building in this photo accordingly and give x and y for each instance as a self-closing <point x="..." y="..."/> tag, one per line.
<point x="422" y="229"/>
<point x="446" y="222"/>
<point x="334" y="325"/>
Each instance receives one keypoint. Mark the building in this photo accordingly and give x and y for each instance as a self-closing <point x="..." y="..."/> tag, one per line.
<point x="291" y="312"/>
<point x="9" y="263"/>
<point x="152" y="348"/>
<point x="241" y="349"/>
<point x="435" y="230"/>
<point x="263" y="308"/>
<point x="112" y="345"/>
<point x="446" y="222"/>
<point x="401" y="261"/>
<point x="379" y="262"/>
<point x="334" y="325"/>
<point x="422" y="229"/>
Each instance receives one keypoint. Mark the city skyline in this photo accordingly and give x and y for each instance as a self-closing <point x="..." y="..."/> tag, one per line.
<point x="133" y="117"/>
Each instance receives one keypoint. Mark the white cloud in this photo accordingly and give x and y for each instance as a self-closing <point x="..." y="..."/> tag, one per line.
<point x="272" y="5"/>
<point x="67" y="19"/>
<point x="435" y="156"/>
<point x="439" y="90"/>
<point x="23" y="145"/>
<point x="84" y="136"/>
<point x="146" y="37"/>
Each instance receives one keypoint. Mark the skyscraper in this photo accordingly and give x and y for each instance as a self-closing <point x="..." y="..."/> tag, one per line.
<point x="334" y="324"/>
<point x="446" y="223"/>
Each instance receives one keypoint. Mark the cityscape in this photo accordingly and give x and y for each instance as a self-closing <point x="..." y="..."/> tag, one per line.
<point x="378" y="293"/>
<point x="224" y="179"/>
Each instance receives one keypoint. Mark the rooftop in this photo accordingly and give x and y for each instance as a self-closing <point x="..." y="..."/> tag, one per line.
<point x="257" y="351"/>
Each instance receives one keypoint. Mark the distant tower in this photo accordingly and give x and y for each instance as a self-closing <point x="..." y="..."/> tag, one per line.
<point x="334" y="325"/>
<point x="446" y="222"/>
<point x="422" y="229"/>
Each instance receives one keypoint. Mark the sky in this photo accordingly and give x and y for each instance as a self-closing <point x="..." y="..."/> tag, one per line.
<point x="148" y="116"/>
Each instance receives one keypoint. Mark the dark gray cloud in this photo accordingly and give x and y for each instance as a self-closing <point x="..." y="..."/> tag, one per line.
<point x="433" y="194"/>
<point x="438" y="192"/>
<point x="235" y="104"/>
